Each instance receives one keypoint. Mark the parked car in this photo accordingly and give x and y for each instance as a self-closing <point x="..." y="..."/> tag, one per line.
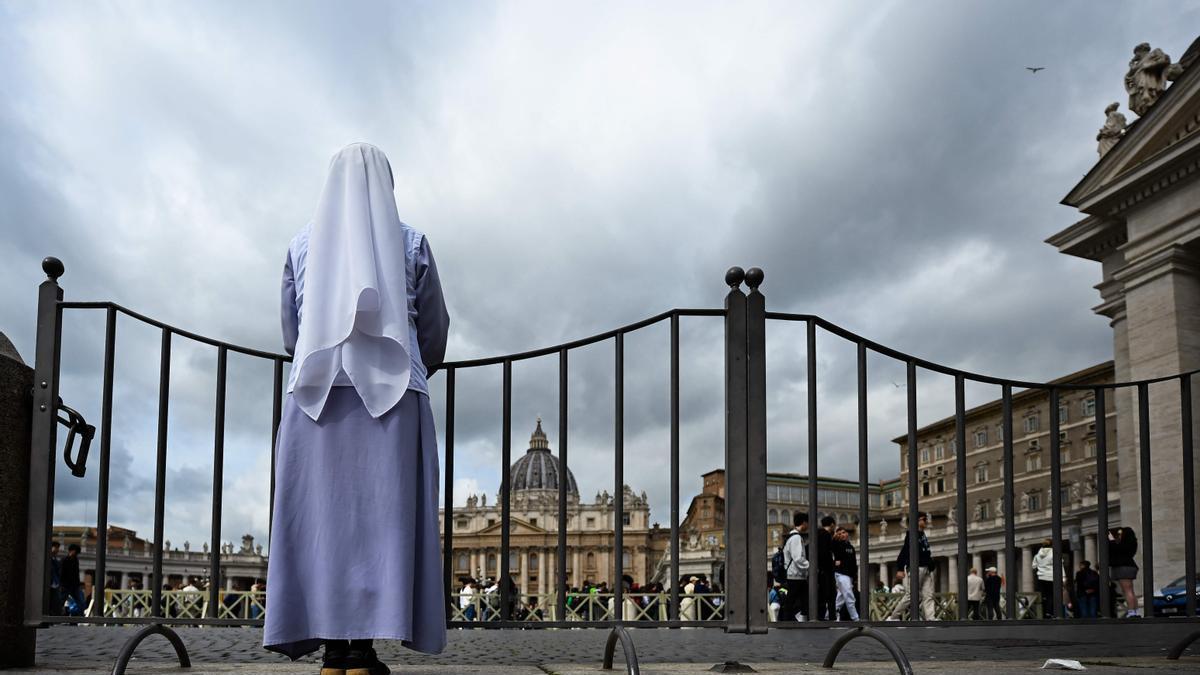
<point x="1171" y="600"/>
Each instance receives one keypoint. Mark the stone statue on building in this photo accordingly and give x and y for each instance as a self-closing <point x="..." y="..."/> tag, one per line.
<point x="258" y="550"/>
<point x="978" y="511"/>
<point x="1146" y="78"/>
<point x="167" y="545"/>
<point x="904" y="521"/>
<point x="883" y="527"/>
<point x="1000" y="507"/>
<point x="204" y="548"/>
<point x="472" y="500"/>
<point x="1112" y="131"/>
<point x="187" y="546"/>
<point x="1089" y="484"/>
<point x="952" y="516"/>
<point x="1075" y="497"/>
<point x="127" y="544"/>
<point x="247" y="543"/>
<point x="483" y="499"/>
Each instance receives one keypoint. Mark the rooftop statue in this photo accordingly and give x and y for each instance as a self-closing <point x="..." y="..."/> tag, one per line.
<point x="1112" y="131"/>
<point x="1147" y="77"/>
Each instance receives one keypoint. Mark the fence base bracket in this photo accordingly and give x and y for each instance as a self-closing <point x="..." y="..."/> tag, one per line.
<point x="1183" y="644"/>
<point x="631" y="662"/>
<point x="732" y="667"/>
<point x="880" y="637"/>
<point x="132" y="644"/>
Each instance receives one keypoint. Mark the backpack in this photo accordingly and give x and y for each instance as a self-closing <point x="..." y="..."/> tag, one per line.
<point x="778" y="568"/>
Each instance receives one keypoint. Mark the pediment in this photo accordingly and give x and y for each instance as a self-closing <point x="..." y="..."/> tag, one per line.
<point x="516" y="526"/>
<point x="1168" y="130"/>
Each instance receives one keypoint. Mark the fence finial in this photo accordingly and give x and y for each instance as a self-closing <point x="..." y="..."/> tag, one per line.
<point x="754" y="278"/>
<point x="734" y="276"/>
<point x="53" y="267"/>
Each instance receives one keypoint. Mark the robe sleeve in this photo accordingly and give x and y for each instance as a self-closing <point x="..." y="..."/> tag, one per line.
<point x="433" y="321"/>
<point x="288" y="310"/>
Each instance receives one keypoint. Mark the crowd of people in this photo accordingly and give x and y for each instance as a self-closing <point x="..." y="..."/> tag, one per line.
<point x="700" y="600"/>
<point x="836" y="570"/>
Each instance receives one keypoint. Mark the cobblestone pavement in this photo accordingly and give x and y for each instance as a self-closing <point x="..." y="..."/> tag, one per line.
<point x="571" y="652"/>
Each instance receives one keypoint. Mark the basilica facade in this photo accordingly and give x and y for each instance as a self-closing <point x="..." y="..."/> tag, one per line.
<point x="533" y="530"/>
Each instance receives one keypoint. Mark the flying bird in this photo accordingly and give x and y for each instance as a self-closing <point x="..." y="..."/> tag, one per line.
<point x="1034" y="70"/>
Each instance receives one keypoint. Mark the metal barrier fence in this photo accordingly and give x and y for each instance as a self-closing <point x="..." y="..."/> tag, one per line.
<point x="744" y="607"/>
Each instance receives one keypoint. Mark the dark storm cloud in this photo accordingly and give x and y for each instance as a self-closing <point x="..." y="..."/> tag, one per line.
<point x="891" y="166"/>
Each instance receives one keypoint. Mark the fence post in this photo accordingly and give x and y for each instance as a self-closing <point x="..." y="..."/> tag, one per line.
<point x="756" y="456"/>
<point x="735" y="455"/>
<point x="16" y="382"/>
<point x="43" y="442"/>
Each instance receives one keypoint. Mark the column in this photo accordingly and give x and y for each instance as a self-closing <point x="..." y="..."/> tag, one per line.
<point x="470" y="562"/>
<point x="523" y="566"/>
<point x="884" y="576"/>
<point x="1026" y="571"/>
<point x="543" y="587"/>
<point x="1089" y="549"/>
<point x="1002" y="566"/>
<point x="977" y="562"/>
<point x="951" y="584"/>
<point x="576" y="568"/>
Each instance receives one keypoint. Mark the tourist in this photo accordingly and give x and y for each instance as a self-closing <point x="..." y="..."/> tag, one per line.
<point x="1122" y="546"/>
<point x="991" y="592"/>
<point x="687" y="605"/>
<point x="56" y="595"/>
<point x="974" y="594"/>
<point x="1087" y="591"/>
<point x="796" y="566"/>
<point x="1043" y="567"/>
<point x="72" y="588"/>
<point x="465" y="602"/>
<point x="845" y="572"/>
<point x="774" y="598"/>
<point x="928" y="573"/>
<point x="355" y="551"/>
<point x="898" y="582"/>
<point x="826" y="586"/>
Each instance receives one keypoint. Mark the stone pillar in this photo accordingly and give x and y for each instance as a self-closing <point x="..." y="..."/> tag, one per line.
<point x="16" y="412"/>
<point x="523" y="566"/>
<point x="884" y="576"/>
<point x="543" y="587"/>
<point x="951" y="582"/>
<point x="977" y="562"/>
<point x="1002" y="566"/>
<point x="576" y="568"/>
<point x="1089" y="549"/>
<point x="1026" y="571"/>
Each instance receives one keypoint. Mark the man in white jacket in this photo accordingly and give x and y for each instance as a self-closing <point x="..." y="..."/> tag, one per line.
<point x="1043" y="567"/>
<point x="795" y="559"/>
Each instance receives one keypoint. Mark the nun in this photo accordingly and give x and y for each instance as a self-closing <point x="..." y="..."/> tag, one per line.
<point x="355" y="554"/>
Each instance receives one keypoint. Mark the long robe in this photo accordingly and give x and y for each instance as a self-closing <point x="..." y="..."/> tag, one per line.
<point x="355" y="552"/>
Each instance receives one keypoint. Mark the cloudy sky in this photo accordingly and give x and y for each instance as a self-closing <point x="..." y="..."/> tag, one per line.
<point x="891" y="166"/>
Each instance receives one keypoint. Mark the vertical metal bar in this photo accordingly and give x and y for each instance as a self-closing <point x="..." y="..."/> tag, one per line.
<point x="619" y="477"/>
<point x="276" y="415"/>
<point x="505" y="462"/>
<point x="160" y="470"/>
<point x="1102" y="501"/>
<point x="1010" y="523"/>
<point x="1056" y="504"/>
<point x="673" y="582"/>
<point x="755" y="611"/>
<point x="100" y="581"/>
<point x="735" y="457"/>
<point x="913" y="575"/>
<point x="448" y="503"/>
<point x="960" y="475"/>
<point x="814" y="516"/>
<point x="864" y="524"/>
<point x="43" y="444"/>
<point x="214" y="565"/>
<point x="564" y="473"/>
<point x="1189" y="495"/>
<point x="1147" y="502"/>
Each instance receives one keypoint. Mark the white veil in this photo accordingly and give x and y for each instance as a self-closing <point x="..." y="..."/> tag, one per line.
<point x="355" y="315"/>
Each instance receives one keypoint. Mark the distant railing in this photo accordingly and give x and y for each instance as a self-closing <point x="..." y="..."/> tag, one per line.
<point x="133" y="604"/>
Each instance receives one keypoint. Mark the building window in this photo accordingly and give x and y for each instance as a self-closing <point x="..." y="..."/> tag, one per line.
<point x="772" y="517"/>
<point x="533" y="521"/>
<point x="513" y="560"/>
<point x="981" y="438"/>
<point x="982" y="509"/>
<point x="925" y="489"/>
<point x="1033" y="501"/>
<point x="591" y="522"/>
<point x="1089" y="407"/>
<point x="625" y="517"/>
<point x="925" y="455"/>
<point x="1033" y="461"/>
<point x="785" y="517"/>
<point x="1031" y="424"/>
<point x="461" y="524"/>
<point x="491" y="522"/>
<point x="491" y="561"/>
<point x="939" y="451"/>
<point x="463" y="562"/>
<point x="1064" y="413"/>
<point x="626" y="560"/>
<point x="981" y="472"/>
<point x="591" y="561"/>
<point x="941" y="485"/>
<point x="773" y="493"/>
<point x="1089" y="448"/>
<point x="888" y="500"/>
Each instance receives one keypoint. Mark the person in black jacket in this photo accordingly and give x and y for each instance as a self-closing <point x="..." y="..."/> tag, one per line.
<point x="845" y="572"/>
<point x="1122" y="546"/>
<point x="992" y="583"/>
<point x="928" y="571"/>
<point x="1087" y="591"/>
<point x="826" y="586"/>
